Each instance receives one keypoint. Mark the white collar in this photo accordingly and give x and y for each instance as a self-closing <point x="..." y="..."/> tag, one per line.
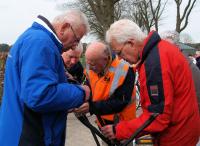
<point x="39" y="21"/>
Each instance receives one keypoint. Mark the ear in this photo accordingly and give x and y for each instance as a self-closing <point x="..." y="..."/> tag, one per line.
<point x="63" y="27"/>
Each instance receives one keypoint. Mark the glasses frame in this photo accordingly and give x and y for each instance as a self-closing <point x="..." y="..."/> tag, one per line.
<point x="77" y="40"/>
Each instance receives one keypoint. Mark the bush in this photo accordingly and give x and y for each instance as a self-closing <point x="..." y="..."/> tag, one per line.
<point x="3" y="56"/>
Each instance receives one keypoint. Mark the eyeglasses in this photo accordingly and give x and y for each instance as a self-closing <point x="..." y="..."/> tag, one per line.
<point x="77" y="40"/>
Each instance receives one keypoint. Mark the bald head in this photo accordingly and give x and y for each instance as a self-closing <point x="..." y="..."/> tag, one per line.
<point x="97" y="56"/>
<point x="96" y="50"/>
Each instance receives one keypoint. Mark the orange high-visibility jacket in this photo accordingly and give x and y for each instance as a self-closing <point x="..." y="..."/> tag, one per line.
<point x="103" y="87"/>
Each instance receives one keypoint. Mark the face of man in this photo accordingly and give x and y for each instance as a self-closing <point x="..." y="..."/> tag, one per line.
<point x="71" y="57"/>
<point x="71" y="36"/>
<point x="97" y="64"/>
<point x="126" y="51"/>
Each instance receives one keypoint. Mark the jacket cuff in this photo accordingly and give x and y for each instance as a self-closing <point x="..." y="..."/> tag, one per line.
<point x="84" y="94"/>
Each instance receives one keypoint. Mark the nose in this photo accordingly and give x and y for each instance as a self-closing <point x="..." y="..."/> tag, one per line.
<point x="74" y="61"/>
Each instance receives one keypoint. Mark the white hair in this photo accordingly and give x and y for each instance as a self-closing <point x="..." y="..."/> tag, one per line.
<point x="123" y="30"/>
<point x="75" y="17"/>
<point x="170" y="35"/>
<point x="79" y="48"/>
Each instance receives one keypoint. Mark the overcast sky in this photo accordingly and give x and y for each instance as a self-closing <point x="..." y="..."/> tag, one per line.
<point x="17" y="15"/>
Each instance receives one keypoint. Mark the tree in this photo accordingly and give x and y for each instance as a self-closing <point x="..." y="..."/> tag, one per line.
<point x="100" y="14"/>
<point x="134" y="10"/>
<point x="182" y="21"/>
<point x="157" y="9"/>
<point x="146" y="13"/>
<point x="4" y="47"/>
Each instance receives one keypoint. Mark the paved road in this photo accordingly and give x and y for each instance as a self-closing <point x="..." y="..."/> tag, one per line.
<point x="77" y="133"/>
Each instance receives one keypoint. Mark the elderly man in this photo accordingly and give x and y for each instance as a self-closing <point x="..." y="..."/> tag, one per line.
<point x="73" y="66"/>
<point x="173" y="37"/>
<point x="36" y="93"/>
<point x="112" y="83"/>
<point x="166" y="86"/>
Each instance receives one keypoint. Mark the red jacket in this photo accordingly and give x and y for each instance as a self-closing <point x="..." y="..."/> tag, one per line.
<point x="166" y="87"/>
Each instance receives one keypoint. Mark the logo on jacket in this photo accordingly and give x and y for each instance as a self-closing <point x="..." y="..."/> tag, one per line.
<point x="154" y="90"/>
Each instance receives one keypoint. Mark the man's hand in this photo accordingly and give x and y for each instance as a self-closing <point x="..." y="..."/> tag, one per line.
<point x="84" y="108"/>
<point x="108" y="132"/>
<point x="87" y="92"/>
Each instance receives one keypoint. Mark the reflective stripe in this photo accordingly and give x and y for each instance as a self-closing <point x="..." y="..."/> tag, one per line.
<point x="112" y="69"/>
<point x="119" y="72"/>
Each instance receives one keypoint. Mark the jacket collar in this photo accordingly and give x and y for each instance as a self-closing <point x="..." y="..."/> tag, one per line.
<point x="152" y="39"/>
<point x="46" y="24"/>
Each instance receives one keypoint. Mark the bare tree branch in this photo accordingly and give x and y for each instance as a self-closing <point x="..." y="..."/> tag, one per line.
<point x="185" y="16"/>
<point x="102" y="12"/>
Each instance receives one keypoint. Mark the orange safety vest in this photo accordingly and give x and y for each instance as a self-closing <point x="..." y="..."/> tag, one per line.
<point x="103" y="87"/>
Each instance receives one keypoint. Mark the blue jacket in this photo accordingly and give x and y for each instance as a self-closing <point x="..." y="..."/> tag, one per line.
<point x="36" y="93"/>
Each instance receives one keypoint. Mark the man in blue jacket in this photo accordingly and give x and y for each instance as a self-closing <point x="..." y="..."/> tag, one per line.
<point x="36" y="93"/>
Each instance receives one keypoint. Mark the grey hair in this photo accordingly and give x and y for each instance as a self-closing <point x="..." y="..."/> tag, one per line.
<point x="79" y="48"/>
<point x="171" y="35"/>
<point x="75" y="17"/>
<point x="123" y="30"/>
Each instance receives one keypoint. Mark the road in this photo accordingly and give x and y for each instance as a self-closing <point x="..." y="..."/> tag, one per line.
<point x="78" y="134"/>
